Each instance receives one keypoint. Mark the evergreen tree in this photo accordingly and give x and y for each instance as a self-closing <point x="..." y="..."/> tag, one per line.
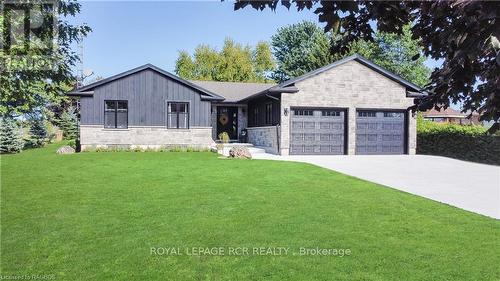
<point x="11" y="140"/>
<point x="69" y="124"/>
<point x="38" y="132"/>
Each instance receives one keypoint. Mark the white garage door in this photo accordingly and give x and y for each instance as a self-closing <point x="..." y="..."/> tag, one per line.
<point x="380" y="132"/>
<point x="317" y="131"/>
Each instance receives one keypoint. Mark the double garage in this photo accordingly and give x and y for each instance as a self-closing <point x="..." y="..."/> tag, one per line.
<point x="324" y="131"/>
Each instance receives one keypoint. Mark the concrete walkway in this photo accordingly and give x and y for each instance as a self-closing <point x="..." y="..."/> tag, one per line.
<point x="466" y="185"/>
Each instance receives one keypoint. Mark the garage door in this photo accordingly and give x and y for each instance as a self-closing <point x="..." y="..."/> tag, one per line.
<point x="380" y="132"/>
<point x="317" y="131"/>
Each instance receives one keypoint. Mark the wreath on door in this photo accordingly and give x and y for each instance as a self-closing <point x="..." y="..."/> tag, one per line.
<point x="223" y="119"/>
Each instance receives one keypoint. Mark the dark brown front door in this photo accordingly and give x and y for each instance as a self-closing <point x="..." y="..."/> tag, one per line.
<point x="227" y="121"/>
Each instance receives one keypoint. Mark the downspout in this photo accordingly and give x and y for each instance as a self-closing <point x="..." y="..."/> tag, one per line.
<point x="278" y="138"/>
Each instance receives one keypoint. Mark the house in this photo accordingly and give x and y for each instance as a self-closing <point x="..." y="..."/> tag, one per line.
<point x="351" y="106"/>
<point x="450" y="115"/>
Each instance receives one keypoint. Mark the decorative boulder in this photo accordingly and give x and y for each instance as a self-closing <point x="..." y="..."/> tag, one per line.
<point x="240" y="152"/>
<point x="66" y="150"/>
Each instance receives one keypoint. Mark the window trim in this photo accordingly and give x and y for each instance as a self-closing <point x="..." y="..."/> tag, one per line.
<point x="188" y="104"/>
<point x="269" y="113"/>
<point x="368" y="113"/>
<point x="255" y="117"/>
<point x="116" y="115"/>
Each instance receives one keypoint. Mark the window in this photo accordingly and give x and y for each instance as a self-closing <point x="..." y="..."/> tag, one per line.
<point x="115" y="114"/>
<point x="256" y="116"/>
<point x="301" y="112"/>
<point x="269" y="114"/>
<point x="177" y="115"/>
<point x="367" y="114"/>
<point x="393" y="114"/>
<point x="330" y="113"/>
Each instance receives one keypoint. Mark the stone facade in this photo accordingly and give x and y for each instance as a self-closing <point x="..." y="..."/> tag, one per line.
<point x="265" y="137"/>
<point x="145" y="137"/>
<point x="351" y="86"/>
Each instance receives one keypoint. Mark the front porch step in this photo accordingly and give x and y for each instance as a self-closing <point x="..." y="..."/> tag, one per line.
<point x="228" y="146"/>
<point x="235" y="144"/>
<point x="256" y="150"/>
<point x="251" y="148"/>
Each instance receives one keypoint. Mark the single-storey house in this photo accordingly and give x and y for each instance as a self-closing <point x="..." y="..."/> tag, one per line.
<point x="351" y="106"/>
<point x="450" y="115"/>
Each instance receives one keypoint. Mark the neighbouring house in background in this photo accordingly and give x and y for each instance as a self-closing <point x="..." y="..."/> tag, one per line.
<point x="450" y="115"/>
<point x="351" y="106"/>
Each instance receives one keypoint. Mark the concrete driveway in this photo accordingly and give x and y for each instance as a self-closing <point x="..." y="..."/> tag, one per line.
<point x="466" y="185"/>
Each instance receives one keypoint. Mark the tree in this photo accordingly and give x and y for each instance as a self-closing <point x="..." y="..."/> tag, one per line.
<point x="184" y="65"/>
<point x="38" y="131"/>
<point x="11" y="140"/>
<point x="37" y="68"/>
<point x="233" y="62"/>
<point x="298" y="49"/>
<point x="263" y="60"/>
<point x="69" y="124"/>
<point x="463" y="34"/>
<point x="303" y="47"/>
<point x="395" y="53"/>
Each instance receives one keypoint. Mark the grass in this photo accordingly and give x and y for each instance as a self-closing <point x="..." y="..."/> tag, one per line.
<point x="95" y="216"/>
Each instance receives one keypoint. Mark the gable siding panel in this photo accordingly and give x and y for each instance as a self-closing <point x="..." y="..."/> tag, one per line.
<point x="146" y="93"/>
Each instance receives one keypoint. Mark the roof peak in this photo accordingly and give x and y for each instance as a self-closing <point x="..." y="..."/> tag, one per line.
<point x="364" y="61"/>
<point x="209" y="94"/>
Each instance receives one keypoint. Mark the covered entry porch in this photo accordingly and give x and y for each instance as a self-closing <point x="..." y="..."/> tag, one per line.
<point x="230" y="119"/>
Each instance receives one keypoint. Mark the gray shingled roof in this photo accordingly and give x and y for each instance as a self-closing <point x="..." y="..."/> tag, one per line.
<point x="233" y="91"/>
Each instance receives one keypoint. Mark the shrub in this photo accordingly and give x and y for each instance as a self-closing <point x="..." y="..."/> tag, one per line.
<point x="466" y="142"/>
<point x="426" y="126"/>
<point x="69" y="124"/>
<point x="224" y="137"/>
<point x="72" y="143"/>
<point x="38" y="135"/>
<point x="11" y="140"/>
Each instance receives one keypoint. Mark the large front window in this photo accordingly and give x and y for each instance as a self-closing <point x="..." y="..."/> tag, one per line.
<point x="115" y="114"/>
<point x="178" y="115"/>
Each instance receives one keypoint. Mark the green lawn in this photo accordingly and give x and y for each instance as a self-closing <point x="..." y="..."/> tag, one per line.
<point x="95" y="216"/>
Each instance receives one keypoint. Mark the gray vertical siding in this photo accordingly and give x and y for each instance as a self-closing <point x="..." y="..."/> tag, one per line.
<point x="147" y="93"/>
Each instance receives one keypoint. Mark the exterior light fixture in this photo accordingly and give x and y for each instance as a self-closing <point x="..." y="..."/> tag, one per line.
<point x="286" y="112"/>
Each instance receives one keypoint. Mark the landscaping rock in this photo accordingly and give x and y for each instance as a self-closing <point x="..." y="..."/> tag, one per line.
<point x="240" y="152"/>
<point x="66" y="150"/>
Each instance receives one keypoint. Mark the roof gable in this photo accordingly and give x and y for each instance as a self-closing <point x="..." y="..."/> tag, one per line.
<point x="206" y="94"/>
<point x="363" y="61"/>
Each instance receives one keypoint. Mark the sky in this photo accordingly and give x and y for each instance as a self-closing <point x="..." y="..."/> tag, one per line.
<point x="128" y="34"/>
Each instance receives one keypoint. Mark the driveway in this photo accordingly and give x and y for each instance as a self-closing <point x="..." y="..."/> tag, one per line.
<point x="466" y="185"/>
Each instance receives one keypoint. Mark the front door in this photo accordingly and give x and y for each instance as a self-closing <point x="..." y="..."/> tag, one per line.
<point x="227" y="121"/>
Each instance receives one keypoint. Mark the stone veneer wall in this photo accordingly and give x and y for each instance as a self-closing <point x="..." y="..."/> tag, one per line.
<point x="352" y="86"/>
<point x="145" y="137"/>
<point x="265" y="137"/>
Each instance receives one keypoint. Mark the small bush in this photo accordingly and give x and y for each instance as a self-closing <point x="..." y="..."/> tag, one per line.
<point x="72" y="143"/>
<point x="224" y="137"/>
<point x="115" y="148"/>
<point x="38" y="135"/>
<point x="69" y="124"/>
<point x="465" y="142"/>
<point x="11" y="140"/>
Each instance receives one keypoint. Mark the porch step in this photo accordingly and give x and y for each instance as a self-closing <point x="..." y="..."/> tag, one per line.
<point x="256" y="150"/>
<point x="228" y="146"/>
